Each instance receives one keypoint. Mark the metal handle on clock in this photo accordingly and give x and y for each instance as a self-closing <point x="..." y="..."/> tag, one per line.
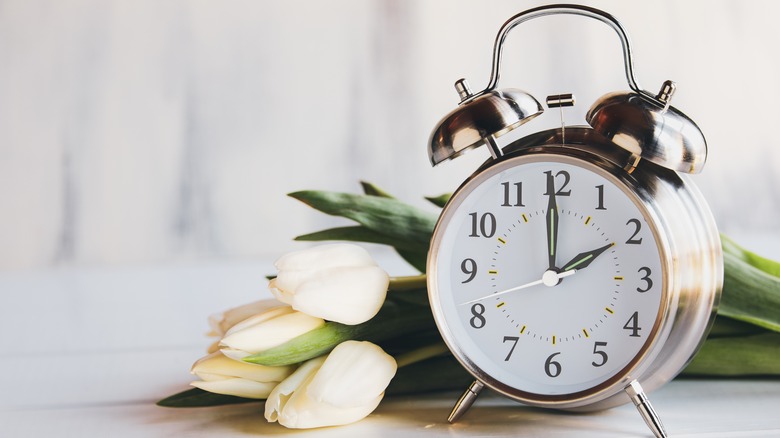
<point x="584" y="11"/>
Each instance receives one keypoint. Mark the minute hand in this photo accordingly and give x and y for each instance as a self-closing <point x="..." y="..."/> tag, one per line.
<point x="583" y="259"/>
<point x="552" y="223"/>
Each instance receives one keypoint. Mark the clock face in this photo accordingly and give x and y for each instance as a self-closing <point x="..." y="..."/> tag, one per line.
<point x="547" y="277"/>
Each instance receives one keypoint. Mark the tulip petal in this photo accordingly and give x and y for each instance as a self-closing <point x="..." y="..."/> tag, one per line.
<point x="268" y="333"/>
<point x="353" y="375"/>
<point x="208" y="377"/>
<point x="298" y="267"/>
<point x="347" y="295"/>
<point x="238" y="387"/>
<point x="216" y="365"/>
<point x="324" y="257"/>
<point x="260" y="318"/>
<point x="280" y="395"/>
<point x="214" y="347"/>
<point x="301" y="412"/>
<point x="237" y="355"/>
<point x="221" y="322"/>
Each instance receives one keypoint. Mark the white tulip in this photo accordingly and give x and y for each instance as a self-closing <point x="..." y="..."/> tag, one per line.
<point x="222" y="375"/>
<point x="340" y="388"/>
<point x="338" y="282"/>
<point x="267" y="330"/>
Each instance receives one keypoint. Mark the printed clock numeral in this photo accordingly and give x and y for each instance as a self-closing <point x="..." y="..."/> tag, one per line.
<point x="637" y="228"/>
<point x="518" y="195"/>
<point x="551" y="367"/>
<point x="514" y="340"/>
<point x="484" y="227"/>
<point x="469" y="267"/>
<point x="566" y="180"/>
<point x="648" y="281"/>
<point x="600" y="189"/>
<point x="478" y="318"/>
<point x="633" y="325"/>
<point x="601" y="353"/>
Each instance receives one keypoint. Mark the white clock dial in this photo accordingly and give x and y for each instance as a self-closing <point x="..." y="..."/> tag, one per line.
<point x="548" y="276"/>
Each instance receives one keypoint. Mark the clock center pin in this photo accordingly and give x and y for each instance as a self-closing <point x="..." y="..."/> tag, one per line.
<point x="550" y="278"/>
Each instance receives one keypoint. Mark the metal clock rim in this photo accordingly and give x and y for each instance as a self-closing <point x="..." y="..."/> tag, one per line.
<point x="613" y="384"/>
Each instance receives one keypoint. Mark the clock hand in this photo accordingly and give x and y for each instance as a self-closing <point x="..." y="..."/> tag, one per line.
<point x="583" y="259"/>
<point x="550" y="278"/>
<point x="552" y="222"/>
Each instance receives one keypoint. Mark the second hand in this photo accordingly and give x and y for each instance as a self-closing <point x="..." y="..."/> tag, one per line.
<point x="550" y="278"/>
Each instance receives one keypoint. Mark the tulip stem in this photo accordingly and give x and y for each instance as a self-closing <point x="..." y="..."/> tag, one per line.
<point x="421" y="354"/>
<point x="408" y="283"/>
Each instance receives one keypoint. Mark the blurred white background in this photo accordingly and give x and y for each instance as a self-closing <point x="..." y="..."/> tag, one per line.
<point x="145" y="131"/>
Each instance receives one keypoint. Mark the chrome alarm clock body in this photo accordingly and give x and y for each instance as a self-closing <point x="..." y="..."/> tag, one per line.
<point x="578" y="267"/>
<point x="682" y="288"/>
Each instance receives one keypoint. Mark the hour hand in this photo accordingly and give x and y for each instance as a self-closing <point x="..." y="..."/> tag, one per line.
<point x="583" y="259"/>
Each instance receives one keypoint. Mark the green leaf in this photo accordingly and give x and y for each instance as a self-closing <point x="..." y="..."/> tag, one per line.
<point x="372" y="190"/>
<point x="771" y="267"/>
<point x="413" y="341"/>
<point x="727" y="327"/>
<point x="357" y="233"/>
<point x="439" y="201"/>
<point x="196" y="398"/>
<point x="442" y="373"/>
<point x="418" y="259"/>
<point x="383" y="220"/>
<point x="382" y="215"/>
<point x="414" y="298"/>
<point x="393" y="320"/>
<point x="412" y="252"/>
<point x="755" y="355"/>
<point x="750" y="294"/>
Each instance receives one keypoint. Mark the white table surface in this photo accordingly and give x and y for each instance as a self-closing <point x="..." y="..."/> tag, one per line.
<point x="87" y="351"/>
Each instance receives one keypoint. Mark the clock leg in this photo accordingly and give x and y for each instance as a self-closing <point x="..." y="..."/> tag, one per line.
<point x="466" y="400"/>
<point x="638" y="397"/>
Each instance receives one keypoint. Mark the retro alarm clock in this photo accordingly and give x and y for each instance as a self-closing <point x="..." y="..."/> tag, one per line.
<point x="578" y="268"/>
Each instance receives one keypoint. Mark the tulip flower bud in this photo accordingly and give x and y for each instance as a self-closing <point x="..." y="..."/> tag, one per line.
<point x="267" y="330"/>
<point x="340" y="388"/>
<point x="338" y="282"/>
<point x="222" y="375"/>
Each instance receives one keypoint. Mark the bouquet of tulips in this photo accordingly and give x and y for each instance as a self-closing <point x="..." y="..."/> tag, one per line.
<point x="342" y="333"/>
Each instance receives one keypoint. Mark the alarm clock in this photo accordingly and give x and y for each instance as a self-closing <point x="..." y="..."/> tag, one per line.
<point x="579" y="268"/>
